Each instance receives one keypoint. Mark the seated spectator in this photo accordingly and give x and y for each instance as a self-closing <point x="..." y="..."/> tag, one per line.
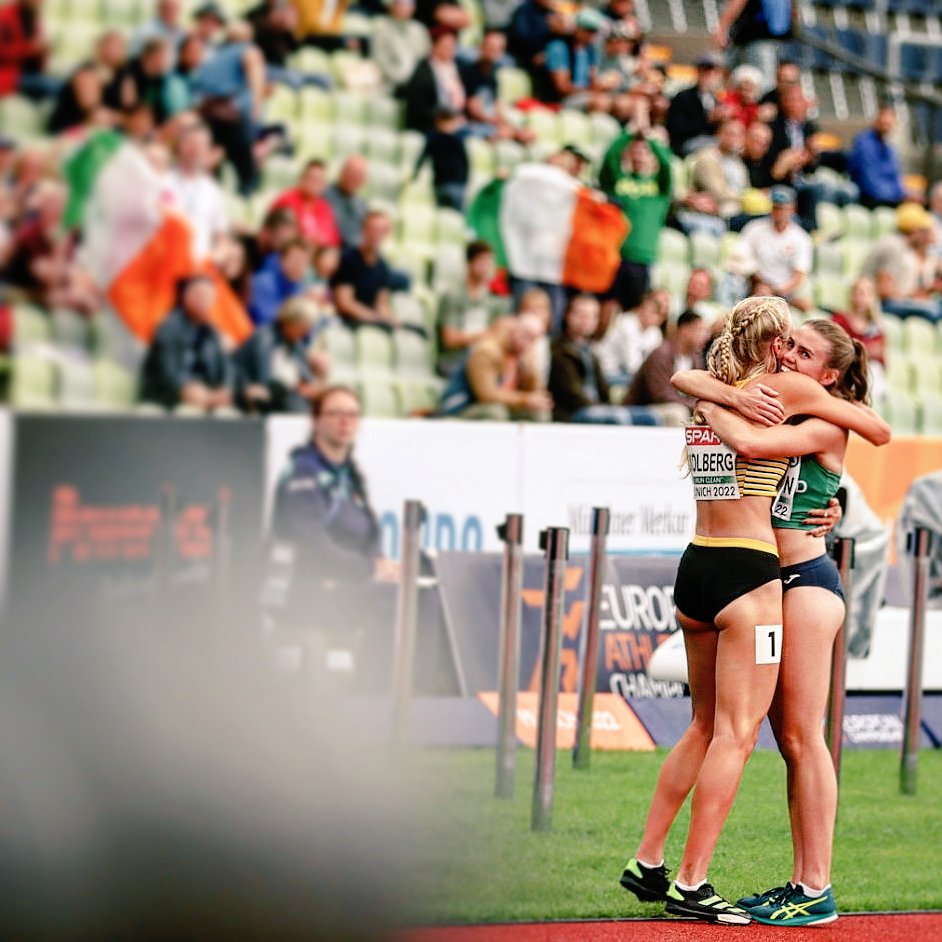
<point x="902" y="268"/>
<point x="486" y="116"/>
<point x="782" y="250"/>
<point x="165" y="25"/>
<point x="787" y="73"/>
<point x="757" y="157"/>
<point x="229" y="88"/>
<point x="466" y="313"/>
<point x="717" y="183"/>
<point x="634" y="83"/>
<point x="282" y="277"/>
<point x="278" y="228"/>
<point x="874" y="162"/>
<point x="794" y="152"/>
<point x="313" y="212"/>
<point x="326" y="263"/>
<point x="25" y="48"/>
<point x="621" y="15"/>
<point x="196" y="193"/>
<point x="186" y="363"/>
<point x="651" y="386"/>
<point x="445" y="151"/>
<point x="434" y="84"/>
<point x="209" y="20"/>
<point x="398" y="43"/>
<point x="145" y="79"/>
<point x="363" y="281"/>
<point x="579" y="390"/>
<point x="630" y="337"/>
<point x="572" y="65"/>
<point x="442" y="14"/>
<point x="322" y="514"/>
<point x="533" y="25"/>
<point x="40" y="255"/>
<point x="699" y="291"/>
<point x="275" y="25"/>
<point x="694" y="112"/>
<point x="863" y="319"/>
<point x="110" y="57"/>
<point x="741" y="98"/>
<point x="231" y="262"/>
<point x="500" y="380"/>
<point x="349" y="207"/>
<point x="276" y="371"/>
<point x="78" y="103"/>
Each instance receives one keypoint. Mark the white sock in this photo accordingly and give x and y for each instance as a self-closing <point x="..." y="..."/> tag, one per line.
<point x="650" y="866"/>
<point x="811" y="891"/>
<point x="688" y="889"/>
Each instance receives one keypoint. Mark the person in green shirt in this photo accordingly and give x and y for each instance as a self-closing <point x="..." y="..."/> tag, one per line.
<point x="467" y="311"/>
<point x="636" y="175"/>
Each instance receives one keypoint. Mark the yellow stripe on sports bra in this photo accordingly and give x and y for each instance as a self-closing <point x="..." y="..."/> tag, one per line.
<point x="743" y="542"/>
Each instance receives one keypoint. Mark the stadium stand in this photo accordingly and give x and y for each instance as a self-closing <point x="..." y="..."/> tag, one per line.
<point x="65" y="352"/>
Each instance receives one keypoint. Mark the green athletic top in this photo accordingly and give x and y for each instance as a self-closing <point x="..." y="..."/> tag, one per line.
<point x="806" y="486"/>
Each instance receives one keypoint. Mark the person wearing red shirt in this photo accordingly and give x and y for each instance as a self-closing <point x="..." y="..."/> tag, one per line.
<point x="23" y="50"/>
<point x="314" y="215"/>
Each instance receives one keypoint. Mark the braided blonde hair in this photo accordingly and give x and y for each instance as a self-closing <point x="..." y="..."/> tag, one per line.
<point x="740" y="353"/>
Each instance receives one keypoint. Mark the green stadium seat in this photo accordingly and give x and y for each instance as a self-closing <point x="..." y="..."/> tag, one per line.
<point x="339" y="343"/>
<point x="408" y="309"/>
<point x="480" y="156"/>
<point x="919" y="337"/>
<point x="855" y="251"/>
<point x="830" y="219"/>
<point x="829" y="259"/>
<point x="382" y="144"/>
<point x="121" y="13"/>
<point x="450" y="227"/>
<point x="70" y="329"/>
<point x="311" y="59"/>
<point x="343" y="64"/>
<point x="729" y="241"/>
<point x="544" y="124"/>
<point x="76" y="384"/>
<point x="316" y="105"/>
<point x="574" y="128"/>
<point x="315" y="139"/>
<point x="705" y="250"/>
<point x="419" y="398"/>
<point x="672" y="246"/>
<point x="449" y="266"/>
<point x="349" y="140"/>
<point x="926" y="376"/>
<point x="418" y="225"/>
<point x="280" y="172"/>
<point x="34" y="383"/>
<point x="30" y="325"/>
<point x="680" y="173"/>
<point x="380" y="399"/>
<point x="671" y="276"/>
<point x="413" y="356"/>
<point x="383" y="112"/>
<point x="830" y="292"/>
<point x="883" y="220"/>
<point x="384" y="183"/>
<point x="604" y="129"/>
<point x="931" y="414"/>
<point x="349" y="108"/>
<point x="899" y="374"/>
<point x="893" y="330"/>
<point x="513" y="85"/>
<point x="283" y="105"/>
<point x="410" y="146"/>
<point x="374" y="347"/>
<point x="114" y="385"/>
<point x="857" y="223"/>
<point x="20" y="117"/>
<point x="508" y="154"/>
<point x="418" y="192"/>
<point x="901" y="411"/>
<point x="356" y="24"/>
<point x="413" y="257"/>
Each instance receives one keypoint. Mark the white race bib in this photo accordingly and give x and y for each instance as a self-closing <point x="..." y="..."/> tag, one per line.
<point x="785" y="498"/>
<point x="712" y="465"/>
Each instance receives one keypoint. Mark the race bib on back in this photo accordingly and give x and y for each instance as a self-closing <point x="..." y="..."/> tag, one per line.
<point x="712" y="465"/>
<point x="785" y="498"/>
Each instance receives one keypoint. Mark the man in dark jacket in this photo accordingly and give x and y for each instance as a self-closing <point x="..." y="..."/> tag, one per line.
<point x="277" y="371"/>
<point x="693" y="115"/>
<point x="435" y="84"/>
<point x="579" y="390"/>
<point x="186" y="363"/>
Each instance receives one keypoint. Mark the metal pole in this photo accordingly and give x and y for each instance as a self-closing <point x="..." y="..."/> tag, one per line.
<point x="555" y="543"/>
<point x="413" y="516"/>
<point x="511" y="532"/>
<point x="844" y="556"/>
<point x="589" y="653"/>
<point x="919" y="544"/>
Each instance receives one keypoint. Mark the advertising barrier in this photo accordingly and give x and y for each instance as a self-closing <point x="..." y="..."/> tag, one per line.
<point x="6" y="475"/>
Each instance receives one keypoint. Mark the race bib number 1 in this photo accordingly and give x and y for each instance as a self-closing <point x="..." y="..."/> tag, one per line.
<point x="768" y="644"/>
<point x="712" y="465"/>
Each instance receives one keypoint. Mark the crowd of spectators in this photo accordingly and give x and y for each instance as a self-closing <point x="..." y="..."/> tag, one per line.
<point x="191" y="92"/>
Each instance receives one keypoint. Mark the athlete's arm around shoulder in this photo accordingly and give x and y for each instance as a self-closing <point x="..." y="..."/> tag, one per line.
<point x="801" y="395"/>
<point x="757" y="401"/>
<point x="750" y="441"/>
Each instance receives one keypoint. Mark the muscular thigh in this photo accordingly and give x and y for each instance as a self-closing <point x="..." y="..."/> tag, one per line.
<point x="812" y="619"/>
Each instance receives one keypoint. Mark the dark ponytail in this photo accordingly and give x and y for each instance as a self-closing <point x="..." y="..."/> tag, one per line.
<point x="851" y="360"/>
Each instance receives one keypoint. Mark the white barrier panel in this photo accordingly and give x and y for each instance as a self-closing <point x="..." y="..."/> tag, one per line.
<point x="6" y="485"/>
<point x="470" y="475"/>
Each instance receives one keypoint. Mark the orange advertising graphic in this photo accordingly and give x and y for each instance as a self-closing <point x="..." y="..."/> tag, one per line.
<point x="614" y="724"/>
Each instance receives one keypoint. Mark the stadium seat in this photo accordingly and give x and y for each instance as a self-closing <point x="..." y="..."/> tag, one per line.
<point x="419" y="398"/>
<point x="900" y="410"/>
<point x="448" y="267"/>
<point x="480" y="156"/>
<point x="926" y="376"/>
<point x="855" y="251"/>
<point x="574" y="128"/>
<point x="407" y="309"/>
<point x="884" y="221"/>
<point x="919" y="337"/>
<point x="930" y="418"/>
<point x="893" y="331"/>
<point x="513" y="85"/>
<point x="672" y="246"/>
<point x="705" y="250"/>
<point x="544" y="124"/>
<point x="339" y="342"/>
<point x="857" y="222"/>
<point x="413" y="355"/>
<point x="70" y="329"/>
<point x="413" y="258"/>
<point x="380" y="399"/>
<point x="384" y="183"/>
<point x="316" y="105"/>
<point x="114" y="385"/>
<point x="311" y="59"/>
<point x="316" y="139"/>
<point x="349" y="108"/>
<point x="830" y="292"/>
<point x="671" y="276"/>
<point x="507" y="154"/>
<point x="830" y="219"/>
<point x="280" y="172"/>
<point x="417" y="226"/>
<point x="383" y="112"/>
<point x="604" y="129"/>
<point x="349" y="140"/>
<point x="899" y="374"/>
<point x="828" y="259"/>
<point x="76" y="384"/>
<point x="33" y="384"/>
<point x="450" y="227"/>
<point x="30" y="325"/>
<point x="284" y="105"/>
<point x="382" y="144"/>
<point x="410" y="146"/>
<point x="374" y="347"/>
<point x="914" y="62"/>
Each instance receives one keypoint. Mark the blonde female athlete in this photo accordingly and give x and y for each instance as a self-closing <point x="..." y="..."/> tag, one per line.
<point x="728" y="596"/>
<point x="813" y="605"/>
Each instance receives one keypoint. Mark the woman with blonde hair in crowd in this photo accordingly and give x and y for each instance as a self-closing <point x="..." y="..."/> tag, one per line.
<point x="728" y="596"/>
<point x="813" y="604"/>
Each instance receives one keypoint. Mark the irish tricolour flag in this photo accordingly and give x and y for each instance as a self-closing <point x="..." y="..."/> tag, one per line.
<point x="546" y="226"/>
<point x="135" y="243"/>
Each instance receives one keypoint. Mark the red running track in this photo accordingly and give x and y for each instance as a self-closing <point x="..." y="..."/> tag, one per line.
<point x="901" y="927"/>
